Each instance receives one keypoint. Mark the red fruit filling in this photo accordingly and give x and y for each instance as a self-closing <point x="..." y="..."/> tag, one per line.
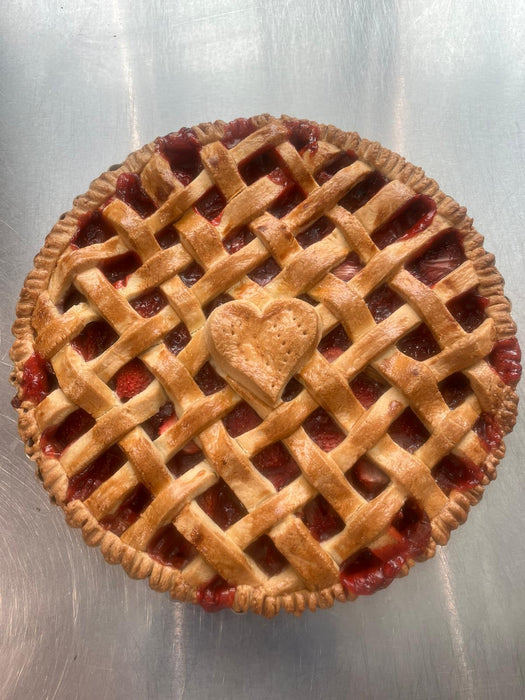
<point x="489" y="431"/>
<point x="153" y="426"/>
<point x="259" y="165"/>
<point x="277" y="465"/>
<point x="118" y="269"/>
<point x="37" y="378"/>
<point x="505" y="358"/>
<point x="455" y="389"/>
<point x="408" y="431"/>
<point x="452" y="472"/>
<point x="316" y="232"/>
<point x="177" y="339"/>
<point x="237" y="130"/>
<point x="150" y="303"/>
<point x="181" y="149"/>
<point x="72" y="298"/>
<point x="216" y="595"/>
<point x="290" y="196"/>
<point x="185" y="459"/>
<point x="323" y="430"/>
<point x="469" y="310"/>
<point x="210" y="205"/>
<point x="303" y="134"/>
<point x="321" y="519"/>
<point x="438" y="260"/>
<point x="131" y="380"/>
<point x="361" y="193"/>
<point x="367" y="478"/>
<point x="383" y="302"/>
<point x="168" y="237"/>
<point x="366" y="572"/>
<point x="367" y="390"/>
<point x="334" y="344"/>
<point x="170" y="548"/>
<point x="128" y="511"/>
<point x="208" y="380"/>
<point x="242" y="419"/>
<point x="94" y="340"/>
<point x="92" y="229"/>
<point x="218" y="301"/>
<point x="419" y="344"/>
<point x="82" y="485"/>
<point x="342" y="160"/>
<point x="55" y="440"/>
<point x="129" y="190"/>
<point x="191" y="274"/>
<point x="267" y="556"/>
<point x="410" y="220"/>
<point x="349" y="268"/>
<point x="222" y="505"/>
<point x="237" y="239"/>
<point x="291" y="390"/>
<point x="265" y="272"/>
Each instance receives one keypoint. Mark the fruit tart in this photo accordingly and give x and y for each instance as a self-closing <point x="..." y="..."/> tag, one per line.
<point x="265" y="364"/>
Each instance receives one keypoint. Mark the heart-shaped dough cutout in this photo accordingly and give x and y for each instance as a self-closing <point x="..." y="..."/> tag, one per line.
<point x="262" y="350"/>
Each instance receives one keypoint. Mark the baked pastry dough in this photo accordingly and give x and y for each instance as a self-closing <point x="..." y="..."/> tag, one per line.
<point x="266" y="364"/>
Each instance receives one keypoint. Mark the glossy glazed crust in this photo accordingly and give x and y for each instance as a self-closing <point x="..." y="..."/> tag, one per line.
<point x="139" y="564"/>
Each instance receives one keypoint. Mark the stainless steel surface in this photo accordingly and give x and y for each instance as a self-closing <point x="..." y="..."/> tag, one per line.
<point x="85" y="83"/>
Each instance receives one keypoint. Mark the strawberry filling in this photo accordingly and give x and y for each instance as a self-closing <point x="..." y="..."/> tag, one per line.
<point x="92" y="229"/>
<point x="408" y="221"/>
<point x="216" y="595"/>
<point x="237" y="239"/>
<point x="191" y="274"/>
<point x="267" y="556"/>
<point x="382" y="302"/>
<point x="181" y="149"/>
<point x="177" y="339"/>
<point x="321" y="519"/>
<point x="259" y="165"/>
<point x="94" y="340"/>
<point x="265" y="272"/>
<point x="55" y="440"/>
<point x="323" y="430"/>
<point x="367" y="389"/>
<point x="210" y="205"/>
<point x="488" y="430"/>
<point x="237" y="130"/>
<point x="349" y="268"/>
<point x="170" y="548"/>
<point x="455" y="389"/>
<point x="241" y="419"/>
<point x="342" y="160"/>
<point x="408" y="431"/>
<point x="334" y="344"/>
<point x="361" y="193"/>
<point x="276" y="464"/>
<point x="505" y="358"/>
<point x="149" y="304"/>
<point x="303" y="134"/>
<point x="208" y="380"/>
<point x="131" y="380"/>
<point x="128" y="511"/>
<point x="222" y="505"/>
<point x="82" y="485"/>
<point x="119" y="268"/>
<point x="419" y="344"/>
<point x="367" y="571"/>
<point x="454" y="473"/>
<point x="316" y="232"/>
<point x="469" y="310"/>
<point x="37" y="379"/>
<point x="129" y="190"/>
<point x="290" y="196"/>
<point x="439" y="259"/>
<point x="367" y="478"/>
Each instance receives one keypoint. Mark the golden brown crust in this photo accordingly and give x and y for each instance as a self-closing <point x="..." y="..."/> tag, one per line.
<point x="34" y="316"/>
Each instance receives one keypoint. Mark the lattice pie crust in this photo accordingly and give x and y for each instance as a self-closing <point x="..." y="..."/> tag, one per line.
<point x="293" y="295"/>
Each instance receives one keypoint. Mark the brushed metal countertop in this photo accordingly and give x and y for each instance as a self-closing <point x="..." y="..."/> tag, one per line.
<point x="84" y="84"/>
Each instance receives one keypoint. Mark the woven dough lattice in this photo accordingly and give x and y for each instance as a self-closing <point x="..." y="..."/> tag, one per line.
<point x="275" y="209"/>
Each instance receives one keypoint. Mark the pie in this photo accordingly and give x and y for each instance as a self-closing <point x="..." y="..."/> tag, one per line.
<point x="265" y="364"/>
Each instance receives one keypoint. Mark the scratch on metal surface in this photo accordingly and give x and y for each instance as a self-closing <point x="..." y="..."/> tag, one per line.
<point x="456" y="630"/>
<point x="128" y="76"/>
<point x="179" y="674"/>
